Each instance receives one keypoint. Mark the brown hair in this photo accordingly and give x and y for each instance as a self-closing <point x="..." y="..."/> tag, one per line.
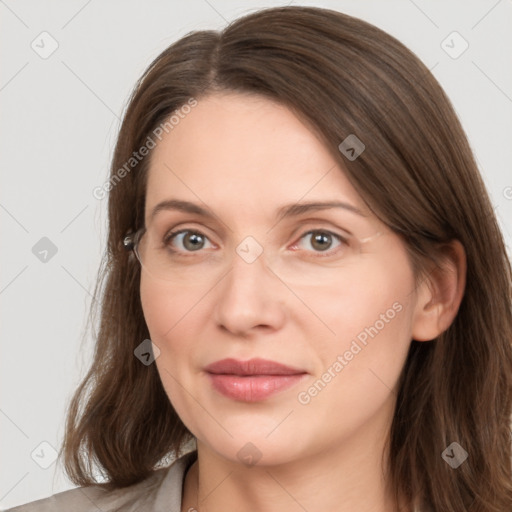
<point x="417" y="174"/>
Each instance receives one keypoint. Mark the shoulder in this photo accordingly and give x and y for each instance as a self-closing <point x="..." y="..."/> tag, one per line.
<point x="162" y="490"/>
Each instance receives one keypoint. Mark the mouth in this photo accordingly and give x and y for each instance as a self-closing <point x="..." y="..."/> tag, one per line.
<point x="251" y="367"/>
<point x="253" y="380"/>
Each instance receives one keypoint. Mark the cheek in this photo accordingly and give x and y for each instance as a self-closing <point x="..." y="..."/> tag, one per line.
<point x="370" y="314"/>
<point x="155" y="305"/>
<point x="356" y="301"/>
<point x="166" y="310"/>
<point x="357" y="372"/>
<point x="175" y="320"/>
<point x="166" y="315"/>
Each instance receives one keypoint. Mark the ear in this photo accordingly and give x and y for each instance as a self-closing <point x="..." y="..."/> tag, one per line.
<point x="439" y="295"/>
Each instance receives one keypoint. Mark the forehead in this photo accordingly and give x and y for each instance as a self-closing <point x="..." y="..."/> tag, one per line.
<point x="239" y="149"/>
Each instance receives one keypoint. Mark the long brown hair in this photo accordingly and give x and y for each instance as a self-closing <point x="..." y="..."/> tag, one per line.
<point x="417" y="174"/>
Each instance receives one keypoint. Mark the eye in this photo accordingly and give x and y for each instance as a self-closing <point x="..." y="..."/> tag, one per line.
<point x="190" y="240"/>
<point x="322" y="241"/>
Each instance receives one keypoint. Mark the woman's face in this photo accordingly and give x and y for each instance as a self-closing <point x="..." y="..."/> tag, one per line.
<point x="328" y="292"/>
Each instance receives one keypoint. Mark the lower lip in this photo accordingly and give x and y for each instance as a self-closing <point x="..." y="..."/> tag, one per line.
<point x="252" y="388"/>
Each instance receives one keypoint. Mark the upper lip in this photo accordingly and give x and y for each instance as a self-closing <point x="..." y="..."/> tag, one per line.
<point x="254" y="366"/>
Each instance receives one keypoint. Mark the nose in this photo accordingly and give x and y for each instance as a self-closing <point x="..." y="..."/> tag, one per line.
<point x="250" y="297"/>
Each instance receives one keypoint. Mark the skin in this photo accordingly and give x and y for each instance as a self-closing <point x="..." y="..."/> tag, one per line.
<point x="243" y="157"/>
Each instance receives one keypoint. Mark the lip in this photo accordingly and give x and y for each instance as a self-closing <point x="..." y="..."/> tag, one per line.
<point x="253" y="380"/>
<point x="255" y="366"/>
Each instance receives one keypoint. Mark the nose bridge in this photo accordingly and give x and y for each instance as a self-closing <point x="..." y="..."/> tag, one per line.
<point x="247" y="280"/>
<point x="248" y="297"/>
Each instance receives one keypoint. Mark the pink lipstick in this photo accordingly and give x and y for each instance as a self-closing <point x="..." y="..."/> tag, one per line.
<point x="253" y="380"/>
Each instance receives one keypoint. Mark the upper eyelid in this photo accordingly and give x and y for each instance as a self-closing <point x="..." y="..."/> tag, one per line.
<point x="302" y="223"/>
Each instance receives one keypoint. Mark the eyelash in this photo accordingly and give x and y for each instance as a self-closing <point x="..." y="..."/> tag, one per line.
<point x="329" y="252"/>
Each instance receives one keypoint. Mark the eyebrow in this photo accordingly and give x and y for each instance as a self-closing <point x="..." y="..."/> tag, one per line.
<point x="289" y="210"/>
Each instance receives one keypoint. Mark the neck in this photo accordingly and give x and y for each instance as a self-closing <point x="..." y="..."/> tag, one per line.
<point x="350" y="477"/>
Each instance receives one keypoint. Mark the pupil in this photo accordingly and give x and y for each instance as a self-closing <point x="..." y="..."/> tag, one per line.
<point x="194" y="239"/>
<point x="319" y="239"/>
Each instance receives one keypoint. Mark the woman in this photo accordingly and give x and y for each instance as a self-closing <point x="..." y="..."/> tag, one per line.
<point x="307" y="297"/>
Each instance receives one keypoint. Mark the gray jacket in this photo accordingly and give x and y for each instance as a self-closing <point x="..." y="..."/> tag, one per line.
<point x="160" y="492"/>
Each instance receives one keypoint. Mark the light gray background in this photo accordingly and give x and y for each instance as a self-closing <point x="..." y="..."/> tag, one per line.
<point x="60" y="117"/>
